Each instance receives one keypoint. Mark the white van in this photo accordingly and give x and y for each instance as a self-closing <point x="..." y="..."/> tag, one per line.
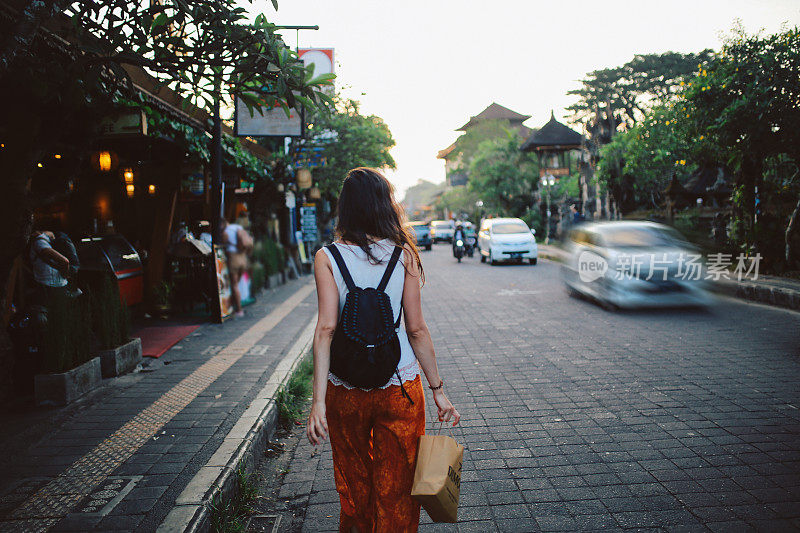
<point x="506" y="239"/>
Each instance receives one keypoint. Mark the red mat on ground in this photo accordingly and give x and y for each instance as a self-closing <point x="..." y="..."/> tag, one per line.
<point x="158" y="339"/>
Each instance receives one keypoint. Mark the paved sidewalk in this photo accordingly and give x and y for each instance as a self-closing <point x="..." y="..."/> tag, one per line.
<point x="119" y="458"/>
<point x="576" y="419"/>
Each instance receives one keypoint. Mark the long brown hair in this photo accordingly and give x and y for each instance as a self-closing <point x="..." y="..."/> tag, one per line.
<point x="367" y="208"/>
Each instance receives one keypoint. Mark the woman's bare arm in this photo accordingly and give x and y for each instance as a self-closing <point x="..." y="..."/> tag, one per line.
<point x="420" y="338"/>
<point x="328" y="304"/>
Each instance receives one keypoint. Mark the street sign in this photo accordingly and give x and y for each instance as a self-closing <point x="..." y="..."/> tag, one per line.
<point x="123" y="124"/>
<point x="321" y="59"/>
<point x="308" y="222"/>
<point x="554" y="171"/>
<point x="268" y="122"/>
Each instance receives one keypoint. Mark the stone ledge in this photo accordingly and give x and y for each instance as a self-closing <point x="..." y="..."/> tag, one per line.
<point x="122" y="359"/>
<point x="66" y="387"/>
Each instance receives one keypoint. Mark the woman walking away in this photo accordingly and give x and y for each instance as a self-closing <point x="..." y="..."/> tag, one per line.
<point x="368" y="393"/>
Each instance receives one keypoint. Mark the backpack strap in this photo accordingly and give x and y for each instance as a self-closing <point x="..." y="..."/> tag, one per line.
<point x="390" y="268"/>
<point x="337" y="256"/>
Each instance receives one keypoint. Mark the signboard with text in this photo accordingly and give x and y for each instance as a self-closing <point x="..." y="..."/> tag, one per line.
<point x="554" y="171"/>
<point x="308" y="222"/>
<point x="225" y="306"/>
<point x="268" y="121"/>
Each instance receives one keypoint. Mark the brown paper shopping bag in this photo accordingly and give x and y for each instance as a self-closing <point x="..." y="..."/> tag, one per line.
<point x="437" y="479"/>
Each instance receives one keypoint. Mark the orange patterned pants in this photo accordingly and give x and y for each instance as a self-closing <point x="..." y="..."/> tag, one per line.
<point x="374" y="437"/>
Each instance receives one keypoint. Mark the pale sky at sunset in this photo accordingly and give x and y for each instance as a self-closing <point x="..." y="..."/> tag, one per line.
<point x="426" y="66"/>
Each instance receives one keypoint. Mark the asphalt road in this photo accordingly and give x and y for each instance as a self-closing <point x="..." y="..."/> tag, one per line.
<point x="576" y="418"/>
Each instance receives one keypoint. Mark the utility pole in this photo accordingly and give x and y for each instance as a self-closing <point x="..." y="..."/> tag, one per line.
<point x="548" y="181"/>
<point x="216" y="167"/>
<point x="287" y="143"/>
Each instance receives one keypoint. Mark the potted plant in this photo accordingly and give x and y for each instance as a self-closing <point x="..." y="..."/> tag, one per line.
<point x="67" y="369"/>
<point x="119" y="354"/>
<point x="161" y="299"/>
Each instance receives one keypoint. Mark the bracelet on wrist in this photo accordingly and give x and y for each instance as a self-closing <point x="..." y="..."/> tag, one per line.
<point x="438" y="387"/>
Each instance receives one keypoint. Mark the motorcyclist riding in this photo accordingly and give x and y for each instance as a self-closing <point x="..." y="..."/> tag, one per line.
<point x="459" y="242"/>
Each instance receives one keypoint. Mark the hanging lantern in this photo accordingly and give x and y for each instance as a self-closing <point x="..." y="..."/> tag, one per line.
<point x="314" y="193"/>
<point x="304" y="178"/>
<point x="104" y="161"/>
<point x="130" y="189"/>
<point x="128" y="175"/>
<point x="151" y="189"/>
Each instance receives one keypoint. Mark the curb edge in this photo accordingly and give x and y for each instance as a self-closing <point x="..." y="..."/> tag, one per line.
<point x="259" y="420"/>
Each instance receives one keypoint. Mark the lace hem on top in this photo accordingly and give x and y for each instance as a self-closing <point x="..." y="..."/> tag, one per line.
<point x="407" y="373"/>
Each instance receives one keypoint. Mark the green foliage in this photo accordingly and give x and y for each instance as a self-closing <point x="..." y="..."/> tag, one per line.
<point x="161" y="294"/>
<point x="361" y="141"/>
<point x="534" y="219"/>
<point x="293" y="396"/>
<point x="503" y="177"/>
<point x="271" y="255"/>
<point x="745" y="101"/>
<point x="194" y="140"/>
<point x="632" y="89"/>
<point x="637" y="165"/>
<point x="229" y="515"/>
<point x="203" y="50"/>
<point x="258" y="277"/>
<point x="199" y="49"/>
<point x="110" y="316"/>
<point x="469" y="143"/>
<point x="67" y="335"/>
<point x="738" y="111"/>
<point x="745" y="106"/>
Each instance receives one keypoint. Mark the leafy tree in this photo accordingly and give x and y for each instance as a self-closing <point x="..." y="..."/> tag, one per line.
<point x="206" y="51"/>
<point x="468" y="143"/>
<point x="348" y="140"/>
<point x="620" y="97"/>
<point x="744" y="105"/>
<point x="638" y="164"/>
<point x="504" y="177"/>
<point x="63" y="64"/>
<point x="629" y="91"/>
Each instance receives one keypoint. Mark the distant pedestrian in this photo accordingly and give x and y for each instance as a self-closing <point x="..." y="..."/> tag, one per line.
<point x="374" y="431"/>
<point x="577" y="216"/>
<point x="237" y="244"/>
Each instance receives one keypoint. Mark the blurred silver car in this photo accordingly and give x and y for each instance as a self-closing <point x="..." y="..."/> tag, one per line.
<point x="634" y="264"/>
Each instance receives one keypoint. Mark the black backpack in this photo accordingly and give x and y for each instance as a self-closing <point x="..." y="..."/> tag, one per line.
<point x="365" y="350"/>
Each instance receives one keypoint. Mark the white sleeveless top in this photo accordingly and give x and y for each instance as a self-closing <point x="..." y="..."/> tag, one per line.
<point x="366" y="274"/>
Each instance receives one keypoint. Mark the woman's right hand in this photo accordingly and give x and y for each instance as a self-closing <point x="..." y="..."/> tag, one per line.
<point x="446" y="409"/>
<point x="317" y="427"/>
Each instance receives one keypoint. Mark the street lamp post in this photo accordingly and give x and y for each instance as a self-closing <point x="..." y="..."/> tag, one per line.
<point x="548" y="181"/>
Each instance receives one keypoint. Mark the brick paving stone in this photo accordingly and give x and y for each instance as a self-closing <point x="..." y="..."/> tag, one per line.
<point x="167" y="461"/>
<point x="651" y="420"/>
